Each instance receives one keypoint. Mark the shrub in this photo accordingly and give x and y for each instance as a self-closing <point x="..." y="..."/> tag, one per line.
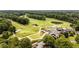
<point x="66" y="34"/>
<point x="49" y="40"/>
<point x="25" y="43"/>
<point x="72" y="33"/>
<point x="77" y="38"/>
<point x="13" y="42"/>
<point x="3" y="45"/>
<point x="12" y="29"/>
<point x="5" y="35"/>
<point x="62" y="42"/>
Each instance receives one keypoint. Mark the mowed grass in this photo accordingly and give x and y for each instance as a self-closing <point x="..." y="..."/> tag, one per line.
<point x="26" y="30"/>
<point x="36" y="36"/>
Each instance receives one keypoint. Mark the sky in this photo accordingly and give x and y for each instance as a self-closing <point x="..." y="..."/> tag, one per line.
<point x="39" y="4"/>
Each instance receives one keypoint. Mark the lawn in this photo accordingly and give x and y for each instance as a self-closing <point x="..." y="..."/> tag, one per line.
<point x="25" y="30"/>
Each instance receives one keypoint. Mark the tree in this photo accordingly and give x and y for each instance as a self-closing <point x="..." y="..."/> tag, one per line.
<point x="72" y="33"/>
<point x="77" y="38"/>
<point x="23" y="20"/>
<point x="5" y="35"/>
<point x="66" y="34"/>
<point x="62" y="42"/>
<point x="25" y="43"/>
<point x="13" y="42"/>
<point x="3" y="45"/>
<point x="1" y="29"/>
<point x="4" y="25"/>
<point x="36" y="16"/>
<point x="12" y="29"/>
<point x="77" y="25"/>
<point x="49" y="40"/>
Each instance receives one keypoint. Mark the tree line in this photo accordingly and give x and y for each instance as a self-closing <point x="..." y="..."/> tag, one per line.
<point x="65" y="16"/>
<point x="14" y="42"/>
<point x="15" y="16"/>
<point x="35" y="16"/>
